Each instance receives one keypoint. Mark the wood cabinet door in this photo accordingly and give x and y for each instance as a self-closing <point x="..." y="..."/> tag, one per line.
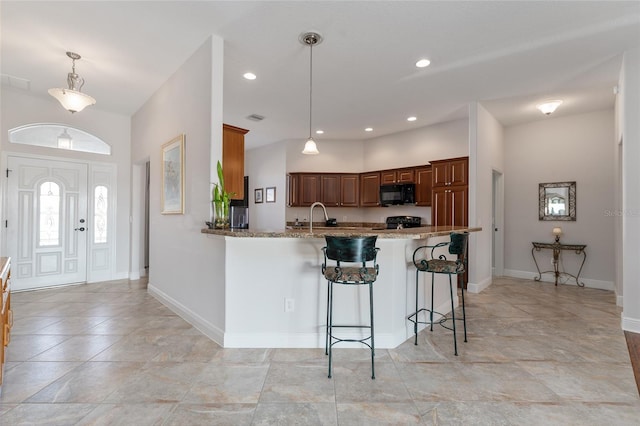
<point x="309" y="189"/>
<point x="349" y="190"/>
<point x="405" y="175"/>
<point x="440" y="174"/>
<point x="293" y="190"/>
<point x="387" y="177"/>
<point x="233" y="160"/>
<point x="370" y="189"/>
<point x="330" y="190"/>
<point x="423" y="186"/>
<point x="440" y="215"/>
<point x="459" y="210"/>
<point x="458" y="172"/>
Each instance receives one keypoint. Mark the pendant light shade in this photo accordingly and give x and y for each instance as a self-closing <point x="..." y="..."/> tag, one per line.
<point x="310" y="39"/>
<point x="72" y="99"/>
<point x="310" y="147"/>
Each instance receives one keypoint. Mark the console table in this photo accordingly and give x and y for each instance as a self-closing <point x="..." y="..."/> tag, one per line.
<point x="557" y="247"/>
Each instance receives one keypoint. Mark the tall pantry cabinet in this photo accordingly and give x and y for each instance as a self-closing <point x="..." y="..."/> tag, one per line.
<point x="450" y="194"/>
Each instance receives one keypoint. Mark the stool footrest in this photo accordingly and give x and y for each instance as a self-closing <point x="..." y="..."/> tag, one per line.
<point x="441" y="320"/>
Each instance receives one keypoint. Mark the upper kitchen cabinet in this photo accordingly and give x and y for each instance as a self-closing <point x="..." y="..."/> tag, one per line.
<point x="406" y="175"/>
<point x="233" y="160"/>
<point x="332" y="189"/>
<point x="339" y="189"/>
<point x="349" y="190"/>
<point x="450" y="172"/>
<point x="423" y="185"/>
<point x="370" y="189"/>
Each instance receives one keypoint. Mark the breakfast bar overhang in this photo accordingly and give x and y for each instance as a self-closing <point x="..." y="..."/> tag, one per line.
<point x="275" y="295"/>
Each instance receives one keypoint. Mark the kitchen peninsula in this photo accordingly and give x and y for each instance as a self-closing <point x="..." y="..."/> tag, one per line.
<point x="275" y="296"/>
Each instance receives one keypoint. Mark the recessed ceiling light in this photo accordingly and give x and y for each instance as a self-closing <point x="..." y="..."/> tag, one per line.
<point x="411" y="118"/>
<point x="319" y="132"/>
<point x="369" y="129"/>
<point x="423" y="63"/>
<point x="249" y="76"/>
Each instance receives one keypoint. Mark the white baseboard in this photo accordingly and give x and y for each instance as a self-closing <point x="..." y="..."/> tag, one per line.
<point x="548" y="278"/>
<point x="208" y="329"/>
<point x="478" y="287"/>
<point x="630" y="324"/>
<point x="619" y="300"/>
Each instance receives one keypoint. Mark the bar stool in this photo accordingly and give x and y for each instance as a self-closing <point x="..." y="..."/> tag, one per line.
<point x="356" y="252"/>
<point x="457" y="246"/>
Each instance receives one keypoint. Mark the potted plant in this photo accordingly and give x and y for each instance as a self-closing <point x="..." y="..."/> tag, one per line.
<point x="221" y="200"/>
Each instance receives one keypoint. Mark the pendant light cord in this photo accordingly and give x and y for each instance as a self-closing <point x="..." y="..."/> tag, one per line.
<point x="310" y="83"/>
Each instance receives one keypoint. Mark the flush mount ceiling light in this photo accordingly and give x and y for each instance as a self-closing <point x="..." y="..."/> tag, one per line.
<point x="548" y="107"/>
<point x="72" y="99"/>
<point x="249" y="76"/>
<point x="422" y="63"/>
<point x="310" y="39"/>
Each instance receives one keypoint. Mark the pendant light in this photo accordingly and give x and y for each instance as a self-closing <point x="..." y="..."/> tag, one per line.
<point x="310" y="39"/>
<point x="72" y="99"/>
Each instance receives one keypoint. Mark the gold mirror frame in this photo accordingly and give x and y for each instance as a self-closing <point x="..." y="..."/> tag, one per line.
<point x="557" y="201"/>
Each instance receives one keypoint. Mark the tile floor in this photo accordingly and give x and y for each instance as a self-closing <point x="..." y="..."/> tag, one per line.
<point x="110" y="354"/>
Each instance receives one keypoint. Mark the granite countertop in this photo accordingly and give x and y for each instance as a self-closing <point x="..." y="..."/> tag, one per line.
<point x="321" y="232"/>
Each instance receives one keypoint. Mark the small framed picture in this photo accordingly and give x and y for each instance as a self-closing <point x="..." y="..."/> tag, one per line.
<point x="258" y="195"/>
<point x="271" y="194"/>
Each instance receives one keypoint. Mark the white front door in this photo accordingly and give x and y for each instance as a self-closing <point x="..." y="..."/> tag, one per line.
<point x="46" y="222"/>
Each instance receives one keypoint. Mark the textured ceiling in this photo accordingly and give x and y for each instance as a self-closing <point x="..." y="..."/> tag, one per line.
<point x="508" y="55"/>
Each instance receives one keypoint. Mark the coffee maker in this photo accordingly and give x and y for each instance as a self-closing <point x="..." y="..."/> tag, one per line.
<point x="239" y="209"/>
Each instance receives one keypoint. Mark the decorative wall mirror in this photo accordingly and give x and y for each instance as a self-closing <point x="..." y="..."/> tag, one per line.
<point x="557" y="201"/>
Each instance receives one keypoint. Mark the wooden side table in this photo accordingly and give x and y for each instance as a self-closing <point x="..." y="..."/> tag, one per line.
<point x="557" y="247"/>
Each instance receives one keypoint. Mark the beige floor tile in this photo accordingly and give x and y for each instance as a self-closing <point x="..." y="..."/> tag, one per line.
<point x="536" y="354"/>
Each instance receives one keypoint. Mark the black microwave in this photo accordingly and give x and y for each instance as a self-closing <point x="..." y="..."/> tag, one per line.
<point x="404" y="193"/>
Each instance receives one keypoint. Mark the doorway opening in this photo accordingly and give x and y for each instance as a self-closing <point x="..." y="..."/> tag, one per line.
<point x="497" y="224"/>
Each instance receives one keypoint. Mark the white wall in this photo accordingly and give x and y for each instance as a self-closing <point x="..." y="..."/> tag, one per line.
<point x="19" y="107"/>
<point x="630" y="103"/>
<point x="182" y="266"/>
<point x="265" y="167"/>
<point x="417" y="147"/>
<point x="487" y="154"/>
<point x="558" y="149"/>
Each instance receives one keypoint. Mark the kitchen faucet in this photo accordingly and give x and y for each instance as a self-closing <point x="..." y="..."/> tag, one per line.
<point x="326" y="217"/>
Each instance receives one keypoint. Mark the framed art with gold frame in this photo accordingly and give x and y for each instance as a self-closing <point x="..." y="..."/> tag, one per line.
<point x="172" y="197"/>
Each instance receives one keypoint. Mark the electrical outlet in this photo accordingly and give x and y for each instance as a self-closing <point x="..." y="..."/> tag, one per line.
<point x="289" y="305"/>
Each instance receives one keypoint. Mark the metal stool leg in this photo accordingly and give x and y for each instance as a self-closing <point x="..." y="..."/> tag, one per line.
<point x="330" y="323"/>
<point x="464" y="316"/>
<point x="453" y="316"/>
<point x="326" y="341"/>
<point x="415" y="324"/>
<point x="373" y="346"/>
<point x="431" y="311"/>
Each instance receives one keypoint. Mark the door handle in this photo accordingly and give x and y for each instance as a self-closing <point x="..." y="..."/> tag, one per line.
<point x="79" y="229"/>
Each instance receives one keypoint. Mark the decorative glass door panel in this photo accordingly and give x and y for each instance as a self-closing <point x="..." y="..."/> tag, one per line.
<point x="46" y="229"/>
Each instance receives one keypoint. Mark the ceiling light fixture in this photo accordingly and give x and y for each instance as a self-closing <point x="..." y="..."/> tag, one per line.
<point x="411" y="118"/>
<point x="72" y="99"/>
<point x="549" y="107"/>
<point x="319" y="132"/>
<point x="422" y="63"/>
<point x="310" y="39"/>
<point x="249" y="76"/>
<point x="368" y="129"/>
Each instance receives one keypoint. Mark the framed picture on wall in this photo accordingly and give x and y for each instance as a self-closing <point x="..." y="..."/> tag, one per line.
<point x="270" y="194"/>
<point x="172" y="197"/>
<point x="257" y="195"/>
